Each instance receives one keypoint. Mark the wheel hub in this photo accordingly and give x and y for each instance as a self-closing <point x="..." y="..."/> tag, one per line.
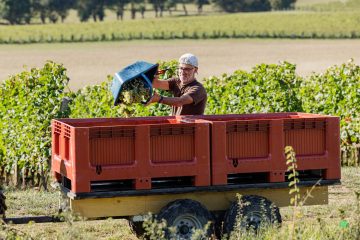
<point x="253" y="221"/>
<point x="184" y="230"/>
<point x="186" y="225"/>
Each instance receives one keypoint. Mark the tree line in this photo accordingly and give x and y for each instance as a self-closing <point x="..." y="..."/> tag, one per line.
<point x="24" y="11"/>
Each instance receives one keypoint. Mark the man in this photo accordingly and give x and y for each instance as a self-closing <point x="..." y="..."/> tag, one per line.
<point x="189" y="94"/>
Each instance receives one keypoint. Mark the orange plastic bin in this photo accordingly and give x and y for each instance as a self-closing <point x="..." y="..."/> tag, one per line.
<point x="129" y="154"/>
<point x="250" y="147"/>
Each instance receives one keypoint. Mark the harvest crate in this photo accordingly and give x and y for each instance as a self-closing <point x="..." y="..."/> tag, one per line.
<point x="129" y="154"/>
<point x="249" y="148"/>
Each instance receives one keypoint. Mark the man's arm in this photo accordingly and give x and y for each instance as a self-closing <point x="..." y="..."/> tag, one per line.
<point x="160" y="84"/>
<point x="171" y="101"/>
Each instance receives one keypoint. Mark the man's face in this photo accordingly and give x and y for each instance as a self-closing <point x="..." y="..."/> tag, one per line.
<point x="187" y="73"/>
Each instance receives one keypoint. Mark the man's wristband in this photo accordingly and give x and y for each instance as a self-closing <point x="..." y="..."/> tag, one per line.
<point x="161" y="99"/>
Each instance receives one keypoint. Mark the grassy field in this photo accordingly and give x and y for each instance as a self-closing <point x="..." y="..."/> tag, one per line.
<point x="243" y="25"/>
<point x="342" y="205"/>
<point x="328" y="5"/>
<point x="312" y="2"/>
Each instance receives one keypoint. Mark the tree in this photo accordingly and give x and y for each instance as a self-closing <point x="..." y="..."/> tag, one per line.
<point x="170" y="5"/>
<point x="16" y="12"/>
<point x="119" y="7"/>
<point x="61" y="8"/>
<point x="134" y="7"/>
<point x="200" y="4"/>
<point x="243" y="5"/>
<point x="256" y="6"/>
<point x="282" y="4"/>
<point x="142" y="9"/>
<point x="41" y="8"/>
<point x="229" y="5"/>
<point x="52" y="9"/>
<point x="91" y="8"/>
<point x="184" y="2"/>
<point x="159" y="6"/>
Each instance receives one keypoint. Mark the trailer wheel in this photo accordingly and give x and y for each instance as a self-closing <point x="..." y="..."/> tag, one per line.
<point x="250" y="212"/>
<point x="186" y="216"/>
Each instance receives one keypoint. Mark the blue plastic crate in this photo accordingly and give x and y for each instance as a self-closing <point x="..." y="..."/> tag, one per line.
<point x="143" y="70"/>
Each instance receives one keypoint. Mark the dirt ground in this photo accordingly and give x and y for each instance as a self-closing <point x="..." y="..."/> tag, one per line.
<point x="90" y="63"/>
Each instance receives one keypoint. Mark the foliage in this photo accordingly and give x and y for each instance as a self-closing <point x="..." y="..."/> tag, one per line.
<point x="93" y="101"/>
<point x="41" y="8"/>
<point x="159" y="6"/>
<point x="169" y="68"/>
<point x="97" y="101"/>
<point x="51" y="9"/>
<point x="267" y="88"/>
<point x="119" y="7"/>
<point x="60" y="8"/>
<point x="282" y="4"/>
<point x="337" y="92"/>
<point x="294" y="191"/>
<point x="200" y="4"/>
<point x="9" y="232"/>
<point x="90" y="8"/>
<point x="16" y="12"/>
<point x="29" y="101"/>
<point x="293" y="176"/>
<point x="154" y="229"/>
<point x="243" y="5"/>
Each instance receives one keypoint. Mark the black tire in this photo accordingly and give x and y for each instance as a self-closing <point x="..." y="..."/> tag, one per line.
<point x="253" y="212"/>
<point x="137" y="228"/>
<point x="186" y="216"/>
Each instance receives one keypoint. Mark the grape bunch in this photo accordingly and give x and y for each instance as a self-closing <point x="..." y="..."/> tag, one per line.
<point x="134" y="91"/>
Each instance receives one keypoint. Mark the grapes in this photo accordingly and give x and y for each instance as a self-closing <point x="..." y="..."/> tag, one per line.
<point x="134" y="91"/>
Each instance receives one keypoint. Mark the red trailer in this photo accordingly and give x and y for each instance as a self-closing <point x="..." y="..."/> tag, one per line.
<point x="189" y="169"/>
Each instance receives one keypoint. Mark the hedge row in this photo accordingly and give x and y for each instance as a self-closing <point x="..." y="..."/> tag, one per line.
<point x="29" y="101"/>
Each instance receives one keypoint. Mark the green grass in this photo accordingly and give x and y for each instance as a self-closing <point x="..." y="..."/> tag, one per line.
<point x="314" y="222"/>
<point x="243" y="25"/>
<point x="315" y="2"/>
<point x="96" y="229"/>
<point x="31" y="202"/>
<point x="329" y="5"/>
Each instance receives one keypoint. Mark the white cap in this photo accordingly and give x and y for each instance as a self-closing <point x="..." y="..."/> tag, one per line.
<point x="189" y="59"/>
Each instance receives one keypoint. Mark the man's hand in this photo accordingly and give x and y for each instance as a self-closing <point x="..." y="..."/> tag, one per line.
<point x="154" y="99"/>
<point x="160" y="84"/>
